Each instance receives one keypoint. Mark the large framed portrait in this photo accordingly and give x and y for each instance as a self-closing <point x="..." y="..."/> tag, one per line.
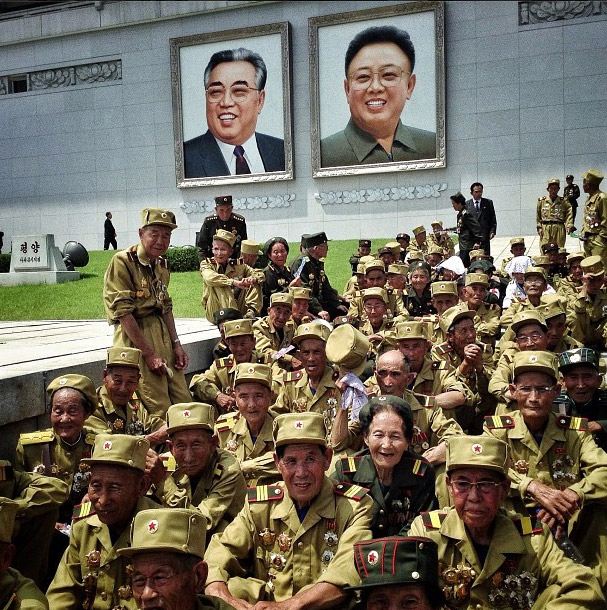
<point x="378" y="90"/>
<point x="232" y="106"/>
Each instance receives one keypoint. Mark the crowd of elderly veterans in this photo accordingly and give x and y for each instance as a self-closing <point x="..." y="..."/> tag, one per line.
<point x="432" y="437"/>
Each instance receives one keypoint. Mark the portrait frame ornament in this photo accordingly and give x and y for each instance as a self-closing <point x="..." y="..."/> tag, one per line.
<point x="331" y="34"/>
<point x="189" y="57"/>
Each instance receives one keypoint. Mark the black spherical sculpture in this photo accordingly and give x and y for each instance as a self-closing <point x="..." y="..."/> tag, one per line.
<point x="75" y="255"/>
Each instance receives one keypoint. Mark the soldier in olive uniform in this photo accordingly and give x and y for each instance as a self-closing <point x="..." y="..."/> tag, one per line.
<point x="418" y="298"/>
<point x="278" y="277"/>
<point x="293" y="542"/>
<point x="554" y="311"/>
<point x="355" y="284"/>
<point x="206" y="478"/>
<point x="119" y="408"/>
<point x="571" y="284"/>
<point x="594" y="228"/>
<point x="16" y="591"/>
<point x="364" y="249"/>
<point x="444" y="296"/>
<point x="91" y="575"/>
<point x="378" y="324"/>
<point x="571" y="193"/>
<point x="441" y="238"/>
<point x="492" y="559"/>
<point x="221" y="349"/>
<point x="553" y="216"/>
<point x="487" y="317"/>
<point x="138" y="304"/>
<point x="247" y="433"/>
<point x="420" y="235"/>
<point x="300" y="313"/>
<point x="224" y="219"/>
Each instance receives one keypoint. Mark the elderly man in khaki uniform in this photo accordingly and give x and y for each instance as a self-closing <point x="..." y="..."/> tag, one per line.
<point x="557" y="470"/>
<point x="293" y="542"/>
<point x="553" y="216"/>
<point x="91" y="574"/>
<point x="492" y="559"/>
<point x="487" y="317"/>
<point x="554" y="310"/>
<point x="16" y="591"/>
<point x="203" y="476"/>
<point x="227" y="282"/>
<point x="120" y="409"/>
<point x="594" y="228"/>
<point x="138" y="304"/>
<point x="247" y="433"/>
<point x="378" y="324"/>
<point x="441" y="238"/>
<point x="570" y="285"/>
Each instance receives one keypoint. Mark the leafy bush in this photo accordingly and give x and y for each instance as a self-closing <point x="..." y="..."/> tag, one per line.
<point x="183" y="258"/>
<point x="5" y="263"/>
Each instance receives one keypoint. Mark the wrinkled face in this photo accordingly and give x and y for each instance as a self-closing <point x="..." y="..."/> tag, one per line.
<point x="387" y="258"/>
<point x="249" y="259"/>
<point x="221" y="251"/>
<point x="386" y="440"/>
<point x="300" y="308"/>
<point x="475" y="508"/>
<point x="553" y="190"/>
<point x="392" y="374"/>
<point x="155" y="240"/>
<point x="396" y="281"/>
<point x="279" y="314"/>
<point x="517" y="250"/>
<point x="398" y="597"/>
<point x="531" y="337"/>
<point x="376" y="310"/>
<point x="556" y="329"/>
<point x="319" y="251"/>
<point x="375" y="278"/>
<point x="313" y="355"/>
<point x="463" y="334"/>
<point x="120" y="383"/>
<point x="278" y="254"/>
<point x="420" y="238"/>
<point x="415" y="350"/>
<point x="241" y="347"/>
<point x="593" y="283"/>
<point x="534" y="285"/>
<point x="253" y="401"/>
<point x="475" y="295"/>
<point x="67" y="414"/>
<point x="375" y="107"/>
<point x="581" y="383"/>
<point x="419" y="280"/>
<point x="302" y="468"/>
<point x="224" y="212"/>
<point x="433" y="259"/>
<point x="192" y="450"/>
<point x="442" y="302"/>
<point x="534" y="393"/>
<point x="233" y="118"/>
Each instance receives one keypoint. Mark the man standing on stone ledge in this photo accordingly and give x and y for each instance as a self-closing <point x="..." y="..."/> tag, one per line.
<point x="224" y="218"/>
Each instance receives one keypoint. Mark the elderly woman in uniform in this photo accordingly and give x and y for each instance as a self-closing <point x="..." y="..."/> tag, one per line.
<point x="401" y="482"/>
<point x="278" y="277"/>
<point x="418" y="299"/>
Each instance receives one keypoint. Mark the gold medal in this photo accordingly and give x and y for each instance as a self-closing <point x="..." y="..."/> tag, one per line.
<point x="125" y="592"/>
<point x="118" y="424"/>
<point x="278" y="561"/>
<point x="140" y="293"/>
<point x="232" y="445"/>
<point x="284" y="542"/>
<point x="268" y="537"/>
<point x="93" y="559"/>
<point x="144" y="282"/>
<point x="521" y="466"/>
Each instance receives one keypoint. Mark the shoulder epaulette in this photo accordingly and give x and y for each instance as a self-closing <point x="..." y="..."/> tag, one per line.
<point x="264" y="493"/>
<point x="82" y="510"/>
<point x="349" y="464"/>
<point x="528" y="525"/>
<point x="36" y="438"/>
<point x="357" y="294"/>
<point x="487" y="349"/>
<point x="132" y="256"/>
<point x="439" y="365"/>
<point x="350" y="490"/>
<point x="218" y="471"/>
<point x="169" y="462"/>
<point x="426" y="401"/>
<point x="224" y="363"/>
<point x="495" y="422"/>
<point x="433" y="519"/>
<point x="292" y="376"/>
<point x="226" y="421"/>
<point x="89" y="439"/>
<point x="238" y="216"/>
<point x="443" y="348"/>
<point x="239" y="261"/>
<point x="7" y="473"/>
<point x="211" y="217"/>
<point x="419" y="467"/>
<point x="568" y="422"/>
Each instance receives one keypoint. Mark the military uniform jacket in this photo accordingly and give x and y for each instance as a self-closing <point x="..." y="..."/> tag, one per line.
<point x="418" y="305"/>
<point x="411" y="490"/>
<point x="134" y="419"/>
<point x="444" y="242"/>
<point x="595" y="215"/>
<point x="557" y="211"/>
<point x="351" y="288"/>
<point x="502" y="377"/>
<point x="256" y="458"/>
<point x="219" y="494"/>
<point x="567" y="456"/>
<point x="594" y="410"/>
<point x="268" y="542"/>
<point x="20" y="593"/>
<point x="313" y="276"/>
<point x="91" y="551"/>
<point x="587" y="316"/>
<point x="569" y="287"/>
<point x="522" y="558"/>
<point x="487" y="321"/>
<point x="572" y="194"/>
<point x="236" y="225"/>
<point x="268" y="341"/>
<point x="396" y="305"/>
<point x="276" y="280"/>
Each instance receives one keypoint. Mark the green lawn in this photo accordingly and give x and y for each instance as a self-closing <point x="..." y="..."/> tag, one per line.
<point x="83" y="300"/>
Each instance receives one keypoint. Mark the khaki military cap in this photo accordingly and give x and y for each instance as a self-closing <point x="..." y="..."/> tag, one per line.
<point x="398" y="269"/>
<point x="477" y="278"/>
<point x="477" y="452"/>
<point x="453" y="315"/>
<point x="299" y="428"/>
<point x="554" y="181"/>
<point x="347" y="348"/>
<point x="536" y="362"/>
<point x="312" y="330"/>
<point x="418" y="230"/>
<point x="552" y="305"/>
<point x="375" y="293"/>
<point x="412" y="330"/>
<point x="443" y="287"/>
<point x="437" y="222"/>
<point x="363" y="260"/>
<point x="539" y="261"/>
<point x="225" y="236"/>
<point x="415" y="256"/>
<point x="535" y="270"/>
<point x="593" y="176"/>
<point x="360" y="269"/>
<point x="190" y="415"/>
<point x="223" y="200"/>
<point x="237" y="328"/>
<point x="374" y="264"/>
<point x="435" y="250"/>
<point x="575" y="256"/>
<point x="479" y="253"/>
<point x="119" y="450"/>
<point x="300" y="293"/>
<point x="394" y="246"/>
<point x="247" y="372"/>
<point x="517" y="241"/>
<point x="281" y="298"/>
<point x="528" y="316"/>
<point x="581" y="356"/>
<point x="397" y="561"/>
<point x="155" y="216"/>
<point x="167" y="530"/>
<point x="248" y="246"/>
<point x="76" y="382"/>
<point x="123" y="356"/>
<point x="592" y="266"/>
<point x="8" y="512"/>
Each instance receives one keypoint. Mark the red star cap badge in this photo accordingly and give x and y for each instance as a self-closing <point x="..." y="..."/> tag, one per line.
<point x="153" y="526"/>
<point x="107" y="445"/>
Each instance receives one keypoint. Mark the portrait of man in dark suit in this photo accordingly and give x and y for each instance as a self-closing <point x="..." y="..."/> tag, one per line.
<point x="234" y="83"/>
<point x="483" y="211"/>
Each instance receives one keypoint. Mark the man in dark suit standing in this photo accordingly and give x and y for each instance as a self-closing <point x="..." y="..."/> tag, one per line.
<point x="483" y="211"/>
<point x="234" y="82"/>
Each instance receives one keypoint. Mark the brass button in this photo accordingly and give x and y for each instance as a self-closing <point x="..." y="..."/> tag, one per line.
<point x="103" y="595"/>
<point x="380" y="526"/>
<point x="381" y="512"/>
<point x="300" y="545"/>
